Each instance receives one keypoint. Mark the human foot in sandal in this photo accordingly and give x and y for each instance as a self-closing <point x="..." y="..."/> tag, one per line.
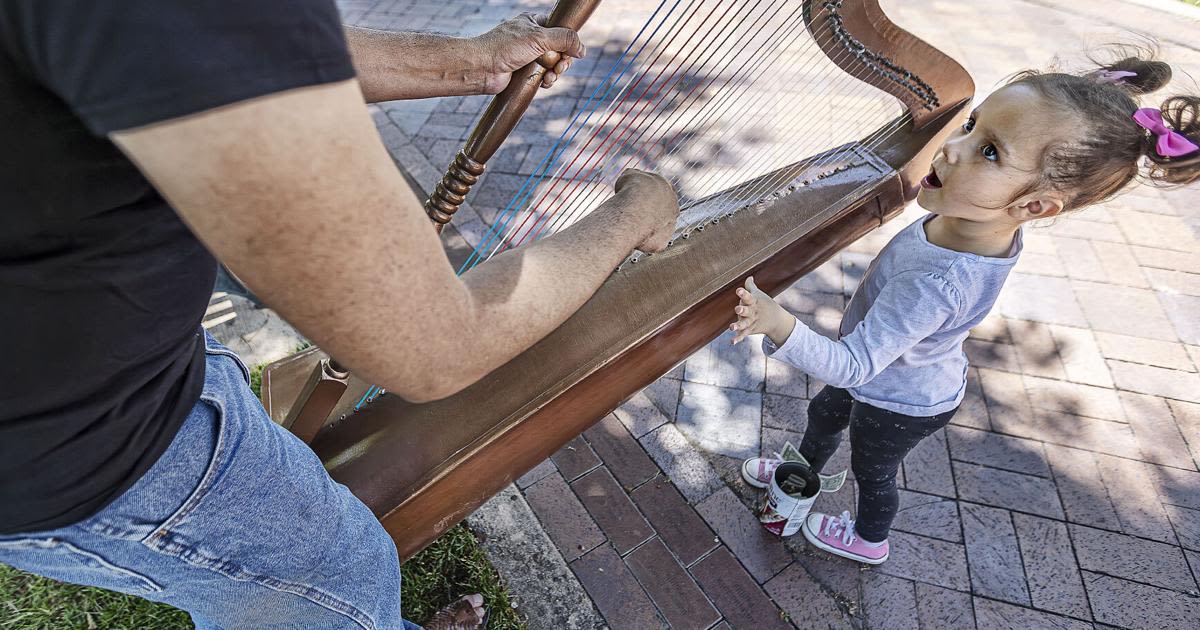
<point x="467" y="613"/>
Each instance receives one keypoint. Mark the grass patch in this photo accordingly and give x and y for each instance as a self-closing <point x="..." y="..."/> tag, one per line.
<point x="36" y="603"/>
<point x="453" y="566"/>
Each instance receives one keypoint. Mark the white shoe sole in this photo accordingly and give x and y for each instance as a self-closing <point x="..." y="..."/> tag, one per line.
<point x="750" y="478"/>
<point x="819" y="544"/>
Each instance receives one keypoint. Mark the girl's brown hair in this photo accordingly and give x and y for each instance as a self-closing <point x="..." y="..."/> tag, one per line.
<point x="1109" y="155"/>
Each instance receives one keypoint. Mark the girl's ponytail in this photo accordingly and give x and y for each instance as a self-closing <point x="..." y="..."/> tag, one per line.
<point x="1137" y="76"/>
<point x="1181" y="115"/>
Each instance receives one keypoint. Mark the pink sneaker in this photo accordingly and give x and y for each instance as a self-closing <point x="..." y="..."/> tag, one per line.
<point x="836" y="535"/>
<point x="757" y="471"/>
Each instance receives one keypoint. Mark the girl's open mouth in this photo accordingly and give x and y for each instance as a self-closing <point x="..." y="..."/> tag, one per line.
<point x="931" y="180"/>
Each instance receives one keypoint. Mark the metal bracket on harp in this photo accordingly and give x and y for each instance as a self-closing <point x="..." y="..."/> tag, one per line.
<point x="321" y="392"/>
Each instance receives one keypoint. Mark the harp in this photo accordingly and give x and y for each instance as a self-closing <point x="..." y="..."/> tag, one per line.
<point x="817" y="119"/>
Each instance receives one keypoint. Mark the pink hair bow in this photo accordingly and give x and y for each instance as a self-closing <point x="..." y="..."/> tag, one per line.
<point x="1170" y="143"/>
<point x="1116" y="77"/>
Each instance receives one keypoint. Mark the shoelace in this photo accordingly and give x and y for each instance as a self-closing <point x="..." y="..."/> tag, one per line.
<point x="843" y="523"/>
<point x="767" y="466"/>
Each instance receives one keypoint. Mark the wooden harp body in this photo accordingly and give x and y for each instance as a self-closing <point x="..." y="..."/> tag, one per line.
<point x="423" y="468"/>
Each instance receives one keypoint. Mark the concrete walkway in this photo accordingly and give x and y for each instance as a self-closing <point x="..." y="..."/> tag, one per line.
<point x="1064" y="495"/>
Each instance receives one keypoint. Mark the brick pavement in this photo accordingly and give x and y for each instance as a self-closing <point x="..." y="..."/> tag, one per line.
<point x="1066" y="493"/>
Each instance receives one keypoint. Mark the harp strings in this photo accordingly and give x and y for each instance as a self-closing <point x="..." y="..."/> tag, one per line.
<point x="648" y="116"/>
<point x="594" y="162"/>
<point x="660" y="130"/>
<point x="875" y="109"/>
<point x="771" y="184"/>
<point x="678" y="110"/>
<point x="585" y="202"/>
<point x="563" y="176"/>
<point x="790" y="110"/>
<point x="590" y="107"/>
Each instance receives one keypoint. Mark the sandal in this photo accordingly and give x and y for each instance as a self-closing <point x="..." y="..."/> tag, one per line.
<point x="462" y="614"/>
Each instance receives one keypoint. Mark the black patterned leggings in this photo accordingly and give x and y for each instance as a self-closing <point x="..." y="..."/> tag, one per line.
<point x="879" y="440"/>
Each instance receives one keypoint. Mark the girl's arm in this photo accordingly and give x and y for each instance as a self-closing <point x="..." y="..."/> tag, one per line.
<point x="911" y="306"/>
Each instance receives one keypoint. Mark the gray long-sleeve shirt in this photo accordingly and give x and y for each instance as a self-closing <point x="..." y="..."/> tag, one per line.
<point x="901" y="337"/>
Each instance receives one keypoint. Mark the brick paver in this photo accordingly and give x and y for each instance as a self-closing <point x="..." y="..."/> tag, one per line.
<point x="762" y="553"/>
<point x="993" y="554"/>
<point x="802" y="598"/>
<point x="1066" y="491"/>
<point x="939" y="607"/>
<point x="615" y="590"/>
<point x="928" y="515"/>
<point x="998" y="451"/>
<point x="622" y="454"/>
<point x="927" y="560"/>
<point x="889" y="603"/>
<point x="927" y="467"/>
<point x="575" y="459"/>
<point x="680" y="527"/>
<point x="675" y="593"/>
<point x="993" y="615"/>
<point x="564" y="517"/>
<point x="1128" y="604"/>
<point x="612" y="509"/>
<point x="1132" y="558"/>
<point x="739" y="598"/>
<point x="1053" y="577"/>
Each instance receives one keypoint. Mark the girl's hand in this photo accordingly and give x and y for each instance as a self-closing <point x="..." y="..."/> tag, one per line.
<point x="757" y="313"/>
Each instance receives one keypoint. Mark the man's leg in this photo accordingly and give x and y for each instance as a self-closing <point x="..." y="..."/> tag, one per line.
<point x="238" y="523"/>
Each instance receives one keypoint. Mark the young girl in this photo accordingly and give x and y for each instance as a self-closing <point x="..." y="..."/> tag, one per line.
<point x="1042" y="145"/>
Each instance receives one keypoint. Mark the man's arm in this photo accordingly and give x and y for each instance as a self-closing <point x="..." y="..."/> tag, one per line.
<point x="398" y="65"/>
<point x="297" y="195"/>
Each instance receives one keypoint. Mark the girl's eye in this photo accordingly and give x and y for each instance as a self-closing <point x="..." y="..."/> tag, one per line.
<point x="990" y="153"/>
<point x="969" y="125"/>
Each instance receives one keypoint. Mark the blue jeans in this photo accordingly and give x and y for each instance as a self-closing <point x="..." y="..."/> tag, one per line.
<point x="237" y="523"/>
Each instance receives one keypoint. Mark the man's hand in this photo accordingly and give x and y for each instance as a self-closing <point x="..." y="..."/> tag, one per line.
<point x="396" y="65"/>
<point x="515" y="42"/>
<point x="757" y="314"/>
<point x="653" y="195"/>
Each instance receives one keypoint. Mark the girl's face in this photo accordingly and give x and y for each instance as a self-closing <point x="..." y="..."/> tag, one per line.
<point x="994" y="155"/>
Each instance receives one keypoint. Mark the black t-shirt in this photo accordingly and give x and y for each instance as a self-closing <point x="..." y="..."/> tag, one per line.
<point x="102" y="286"/>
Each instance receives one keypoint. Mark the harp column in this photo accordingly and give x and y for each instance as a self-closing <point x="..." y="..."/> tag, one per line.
<point x="499" y="119"/>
